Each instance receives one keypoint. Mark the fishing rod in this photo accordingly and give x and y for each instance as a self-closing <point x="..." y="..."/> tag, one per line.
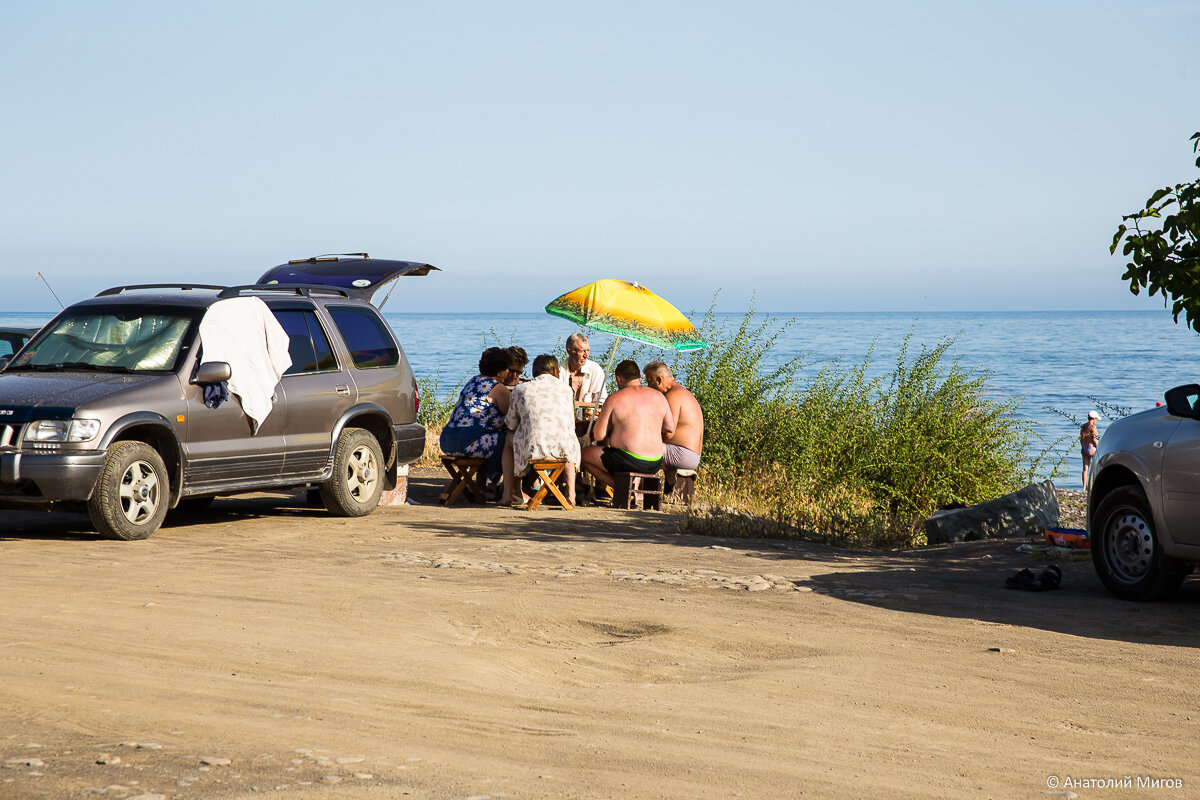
<point x="39" y="277"/>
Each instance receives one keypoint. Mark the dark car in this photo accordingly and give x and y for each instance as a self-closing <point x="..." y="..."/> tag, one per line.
<point x="13" y="339"/>
<point x="105" y="410"/>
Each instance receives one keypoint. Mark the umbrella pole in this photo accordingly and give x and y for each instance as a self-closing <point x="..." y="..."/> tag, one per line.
<point x="611" y="357"/>
<point x="607" y="374"/>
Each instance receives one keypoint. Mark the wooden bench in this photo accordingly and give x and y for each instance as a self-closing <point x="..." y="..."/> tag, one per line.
<point x="464" y="477"/>
<point x="549" y="472"/>
<point x="631" y="488"/>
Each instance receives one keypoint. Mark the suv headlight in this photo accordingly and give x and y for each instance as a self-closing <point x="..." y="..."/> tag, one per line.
<point x="62" y="430"/>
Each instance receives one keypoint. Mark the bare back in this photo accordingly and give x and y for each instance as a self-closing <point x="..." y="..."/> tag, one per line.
<point x="689" y="419"/>
<point x="1088" y="435"/>
<point x="636" y="419"/>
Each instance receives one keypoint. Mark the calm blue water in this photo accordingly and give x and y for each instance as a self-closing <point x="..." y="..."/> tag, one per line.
<point x="1050" y="359"/>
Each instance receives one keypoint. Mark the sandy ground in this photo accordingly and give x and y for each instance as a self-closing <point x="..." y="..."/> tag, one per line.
<point x="263" y="649"/>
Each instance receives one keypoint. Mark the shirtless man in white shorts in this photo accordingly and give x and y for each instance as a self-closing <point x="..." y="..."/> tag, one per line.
<point x="681" y="450"/>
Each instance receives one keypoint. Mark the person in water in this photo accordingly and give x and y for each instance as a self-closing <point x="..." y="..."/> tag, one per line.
<point x="1089" y="437"/>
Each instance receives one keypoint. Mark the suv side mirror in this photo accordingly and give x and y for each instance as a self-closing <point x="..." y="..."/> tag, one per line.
<point x="1182" y="401"/>
<point x="212" y="372"/>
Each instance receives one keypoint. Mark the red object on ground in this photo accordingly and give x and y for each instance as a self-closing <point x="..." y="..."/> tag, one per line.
<point x="1076" y="538"/>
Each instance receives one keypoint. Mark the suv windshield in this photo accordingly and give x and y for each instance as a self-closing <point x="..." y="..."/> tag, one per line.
<point x="111" y="340"/>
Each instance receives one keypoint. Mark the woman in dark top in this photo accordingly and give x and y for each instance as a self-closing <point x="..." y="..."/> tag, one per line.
<point x="520" y="358"/>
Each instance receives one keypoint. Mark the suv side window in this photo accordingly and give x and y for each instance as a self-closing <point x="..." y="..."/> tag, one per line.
<point x="309" y="346"/>
<point x="367" y="336"/>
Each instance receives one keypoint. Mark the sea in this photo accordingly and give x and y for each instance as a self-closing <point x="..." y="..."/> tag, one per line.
<point x="1058" y="364"/>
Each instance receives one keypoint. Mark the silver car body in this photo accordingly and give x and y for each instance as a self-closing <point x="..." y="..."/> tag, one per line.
<point x="147" y="391"/>
<point x="1152" y="460"/>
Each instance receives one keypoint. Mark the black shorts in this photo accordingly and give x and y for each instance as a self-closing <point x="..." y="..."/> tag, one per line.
<point x="615" y="461"/>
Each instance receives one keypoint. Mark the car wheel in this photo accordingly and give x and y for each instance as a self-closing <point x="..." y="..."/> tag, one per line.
<point x="1126" y="551"/>
<point x="357" y="480"/>
<point x="131" y="495"/>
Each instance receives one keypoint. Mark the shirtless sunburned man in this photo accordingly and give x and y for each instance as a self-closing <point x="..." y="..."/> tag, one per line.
<point x="682" y="448"/>
<point x="632" y="425"/>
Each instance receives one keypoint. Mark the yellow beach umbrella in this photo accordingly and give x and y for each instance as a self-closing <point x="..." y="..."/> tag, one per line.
<point x="629" y="310"/>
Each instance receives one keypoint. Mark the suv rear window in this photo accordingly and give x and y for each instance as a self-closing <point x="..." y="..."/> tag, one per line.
<point x="308" y="345"/>
<point x="366" y="336"/>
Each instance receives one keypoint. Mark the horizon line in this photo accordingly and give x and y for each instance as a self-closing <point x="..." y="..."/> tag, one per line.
<point x="835" y="311"/>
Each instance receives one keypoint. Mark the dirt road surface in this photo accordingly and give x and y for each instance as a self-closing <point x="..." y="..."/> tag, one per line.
<point x="264" y="649"/>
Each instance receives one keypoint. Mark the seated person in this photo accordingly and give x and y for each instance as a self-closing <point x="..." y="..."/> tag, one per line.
<point x="520" y="358"/>
<point x="632" y="425"/>
<point x="541" y="418"/>
<point x="584" y="376"/>
<point x="476" y="428"/>
<point x="681" y="450"/>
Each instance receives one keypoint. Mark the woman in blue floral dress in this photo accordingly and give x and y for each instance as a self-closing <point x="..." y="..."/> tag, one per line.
<point x="476" y="428"/>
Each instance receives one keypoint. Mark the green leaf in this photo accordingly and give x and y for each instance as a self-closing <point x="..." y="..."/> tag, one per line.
<point x="1159" y="195"/>
<point x="1117" y="238"/>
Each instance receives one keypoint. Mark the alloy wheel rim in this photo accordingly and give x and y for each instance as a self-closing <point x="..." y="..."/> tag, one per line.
<point x="139" y="492"/>
<point x="361" y="473"/>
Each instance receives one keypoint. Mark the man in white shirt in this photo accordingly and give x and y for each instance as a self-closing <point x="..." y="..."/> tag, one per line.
<point x="584" y="376"/>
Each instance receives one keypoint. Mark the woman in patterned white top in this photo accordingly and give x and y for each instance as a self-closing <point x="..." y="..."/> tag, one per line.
<point x="541" y="415"/>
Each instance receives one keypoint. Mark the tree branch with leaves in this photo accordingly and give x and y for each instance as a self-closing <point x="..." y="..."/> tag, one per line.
<point x="1165" y="258"/>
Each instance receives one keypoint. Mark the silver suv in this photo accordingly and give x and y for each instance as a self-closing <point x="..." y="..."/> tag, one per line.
<point x="104" y="409"/>
<point x="1144" y="499"/>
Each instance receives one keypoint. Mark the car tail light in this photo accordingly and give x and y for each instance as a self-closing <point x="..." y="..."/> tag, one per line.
<point x="416" y="398"/>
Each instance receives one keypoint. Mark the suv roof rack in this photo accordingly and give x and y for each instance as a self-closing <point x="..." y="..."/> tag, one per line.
<point x="184" y="286"/>
<point x="327" y="257"/>
<point x="299" y="289"/>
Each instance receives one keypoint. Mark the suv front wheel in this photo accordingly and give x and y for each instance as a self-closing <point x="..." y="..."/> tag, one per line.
<point x="1125" y="548"/>
<point x="357" y="480"/>
<point x="131" y="495"/>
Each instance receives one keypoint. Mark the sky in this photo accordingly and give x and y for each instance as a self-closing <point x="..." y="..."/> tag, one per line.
<point x="793" y="156"/>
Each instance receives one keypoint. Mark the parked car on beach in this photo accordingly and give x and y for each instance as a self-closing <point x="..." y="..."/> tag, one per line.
<point x="104" y="410"/>
<point x="13" y="339"/>
<point x="1144" y="499"/>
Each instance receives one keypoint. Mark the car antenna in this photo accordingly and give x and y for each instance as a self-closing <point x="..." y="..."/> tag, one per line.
<point x="38" y="275"/>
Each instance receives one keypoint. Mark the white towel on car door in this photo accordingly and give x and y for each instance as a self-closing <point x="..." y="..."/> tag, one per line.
<point x="243" y="332"/>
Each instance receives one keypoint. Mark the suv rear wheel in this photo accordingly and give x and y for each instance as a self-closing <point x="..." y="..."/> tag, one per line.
<point x="1125" y="548"/>
<point x="357" y="480"/>
<point x="131" y="494"/>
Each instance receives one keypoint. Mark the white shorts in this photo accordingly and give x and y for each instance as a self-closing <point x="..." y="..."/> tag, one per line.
<point x="676" y="457"/>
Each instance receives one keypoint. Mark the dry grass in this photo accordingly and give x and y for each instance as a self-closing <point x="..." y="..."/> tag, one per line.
<point x="432" y="457"/>
<point x="767" y="504"/>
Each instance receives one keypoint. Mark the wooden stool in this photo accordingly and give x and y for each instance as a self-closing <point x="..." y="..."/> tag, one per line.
<point x="464" y="476"/>
<point x="631" y="487"/>
<point x="679" y="485"/>
<point x="549" y="472"/>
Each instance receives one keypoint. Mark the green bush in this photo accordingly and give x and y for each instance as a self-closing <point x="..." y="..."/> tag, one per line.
<point x="436" y="403"/>
<point x="844" y="457"/>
